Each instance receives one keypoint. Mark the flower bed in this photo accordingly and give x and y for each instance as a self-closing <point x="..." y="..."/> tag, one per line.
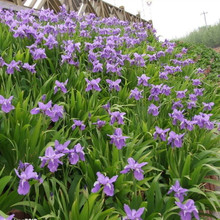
<point x="100" y="120"/>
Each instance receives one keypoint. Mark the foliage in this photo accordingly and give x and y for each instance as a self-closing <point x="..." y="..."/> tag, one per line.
<point x="25" y="136"/>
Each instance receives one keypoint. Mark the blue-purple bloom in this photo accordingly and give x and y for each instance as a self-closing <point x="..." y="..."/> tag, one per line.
<point x="52" y="159"/>
<point x="208" y="106"/>
<point x="61" y="148"/>
<point x="177" y="104"/>
<point x="160" y="133"/>
<point x="132" y="214"/>
<point x="114" y="84"/>
<point x="61" y="86"/>
<point x="186" y="124"/>
<point x="76" y="154"/>
<point x="153" y="109"/>
<point x="55" y="112"/>
<point x="143" y="80"/>
<point x="11" y="67"/>
<point x="99" y="123"/>
<point x="177" y="116"/>
<point x="106" y="182"/>
<point x="38" y="53"/>
<point x="175" y="139"/>
<point x="42" y="107"/>
<point x="26" y="173"/>
<point x="118" y="139"/>
<point x="10" y="217"/>
<point x="117" y="116"/>
<point x="191" y="104"/>
<point x="202" y="120"/>
<point x="179" y="192"/>
<point x="187" y="210"/>
<point x="93" y="84"/>
<point x="135" y="167"/>
<point x="29" y="67"/>
<point x="181" y="94"/>
<point x="196" y="82"/>
<point x="136" y="94"/>
<point x="106" y="106"/>
<point x="6" y="105"/>
<point x="78" y="123"/>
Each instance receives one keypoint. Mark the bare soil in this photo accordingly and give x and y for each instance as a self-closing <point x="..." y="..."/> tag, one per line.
<point x="217" y="49"/>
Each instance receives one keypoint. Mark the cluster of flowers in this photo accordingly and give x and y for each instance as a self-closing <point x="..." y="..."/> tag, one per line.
<point x="16" y="66"/>
<point x="188" y="208"/>
<point x="103" y="56"/>
<point x="25" y="171"/>
<point x="54" y="112"/>
<point x="52" y="157"/>
<point x="108" y="189"/>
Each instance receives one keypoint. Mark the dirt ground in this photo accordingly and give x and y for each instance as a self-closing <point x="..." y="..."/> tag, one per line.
<point x="217" y="49"/>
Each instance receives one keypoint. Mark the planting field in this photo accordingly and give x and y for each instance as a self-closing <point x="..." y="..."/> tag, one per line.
<point x="100" y="120"/>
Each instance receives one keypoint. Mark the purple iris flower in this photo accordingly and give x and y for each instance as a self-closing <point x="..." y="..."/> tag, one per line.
<point x="191" y="104"/>
<point x="117" y="116"/>
<point x="177" y="116"/>
<point x="8" y="218"/>
<point x="187" y="210"/>
<point x="106" y="106"/>
<point x="78" y="123"/>
<point x="6" y="105"/>
<point x="93" y="84"/>
<point x="132" y="214"/>
<point x="38" y="53"/>
<point x="152" y="57"/>
<point x="11" y="67"/>
<point x="160" y="133"/>
<point x="163" y="75"/>
<point x="202" y="120"/>
<point x="184" y="50"/>
<point x="97" y="66"/>
<point x="155" y="91"/>
<point x="55" y="112"/>
<point x="26" y="174"/>
<point x="29" y="67"/>
<point x="208" y="106"/>
<point x="52" y="158"/>
<point x="199" y="70"/>
<point x="99" y="123"/>
<point x="160" y="54"/>
<point x="42" y="107"/>
<point x="186" y="124"/>
<point x="76" y="154"/>
<point x="114" y="84"/>
<point x="153" y="109"/>
<point x="60" y="85"/>
<point x="196" y="82"/>
<point x="150" y="48"/>
<point x="143" y="80"/>
<point x="193" y="97"/>
<point x="51" y="41"/>
<point x="198" y="92"/>
<point x="166" y="90"/>
<point x="181" y="94"/>
<point x="2" y="62"/>
<point x="179" y="191"/>
<point x="106" y="182"/>
<point x="135" y="167"/>
<point x="177" y="104"/>
<point x="175" y="139"/>
<point x="136" y="94"/>
<point x="61" y="148"/>
<point x="117" y="139"/>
